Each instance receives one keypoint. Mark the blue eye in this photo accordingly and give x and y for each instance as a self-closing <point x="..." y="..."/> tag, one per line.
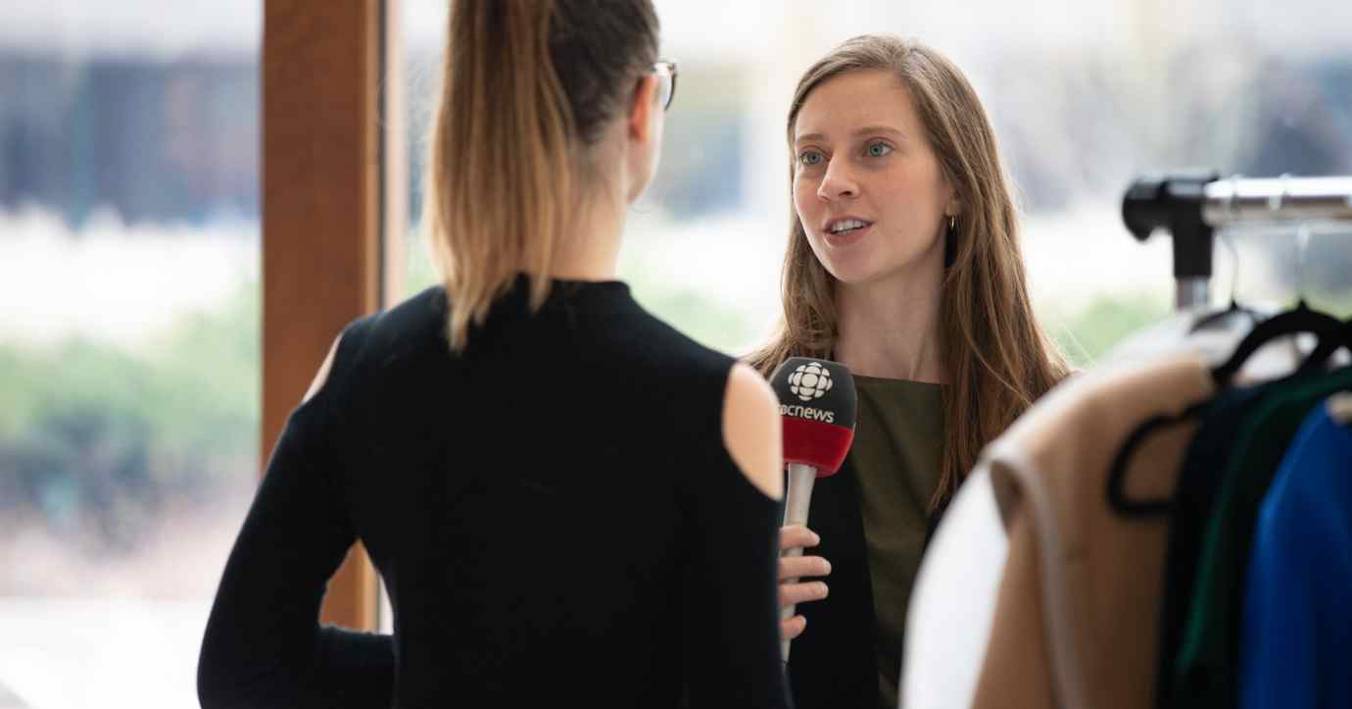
<point x="877" y="150"/>
<point x="809" y="158"/>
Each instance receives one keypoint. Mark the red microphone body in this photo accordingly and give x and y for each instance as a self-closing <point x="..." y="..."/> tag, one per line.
<point x="817" y="404"/>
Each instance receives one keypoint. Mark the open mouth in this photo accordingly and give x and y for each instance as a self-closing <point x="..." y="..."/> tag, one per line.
<point x="846" y="227"/>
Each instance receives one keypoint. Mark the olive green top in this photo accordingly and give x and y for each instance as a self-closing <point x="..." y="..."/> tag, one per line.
<point x="896" y="455"/>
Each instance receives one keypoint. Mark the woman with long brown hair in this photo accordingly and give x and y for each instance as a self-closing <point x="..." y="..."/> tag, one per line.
<point x="903" y="263"/>
<point x="567" y="499"/>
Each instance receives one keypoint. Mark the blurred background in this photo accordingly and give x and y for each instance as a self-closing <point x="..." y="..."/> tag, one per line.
<point x="130" y="242"/>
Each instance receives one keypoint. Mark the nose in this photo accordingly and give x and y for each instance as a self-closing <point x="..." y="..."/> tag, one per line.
<point x="837" y="183"/>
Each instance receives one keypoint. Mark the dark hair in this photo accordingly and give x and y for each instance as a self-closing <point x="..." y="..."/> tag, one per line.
<point x="528" y="86"/>
<point x="597" y="46"/>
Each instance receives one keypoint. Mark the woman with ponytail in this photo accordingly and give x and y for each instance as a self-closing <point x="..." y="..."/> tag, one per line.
<point x="903" y="263"/>
<point x="567" y="499"/>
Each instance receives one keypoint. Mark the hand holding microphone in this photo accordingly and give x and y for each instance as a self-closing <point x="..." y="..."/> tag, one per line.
<point x="817" y="406"/>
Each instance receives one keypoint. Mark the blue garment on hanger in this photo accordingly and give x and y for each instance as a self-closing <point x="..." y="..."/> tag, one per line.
<point x="1296" y="640"/>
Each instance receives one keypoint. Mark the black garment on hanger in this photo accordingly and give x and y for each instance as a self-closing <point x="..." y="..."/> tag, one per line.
<point x="1199" y="482"/>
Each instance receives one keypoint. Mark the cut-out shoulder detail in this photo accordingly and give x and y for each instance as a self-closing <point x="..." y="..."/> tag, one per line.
<point x="323" y="374"/>
<point x="752" y="431"/>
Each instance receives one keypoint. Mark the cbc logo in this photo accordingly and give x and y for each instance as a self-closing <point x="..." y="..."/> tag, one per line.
<point x="810" y="381"/>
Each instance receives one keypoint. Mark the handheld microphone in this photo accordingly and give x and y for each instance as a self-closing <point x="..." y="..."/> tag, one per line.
<point x="817" y="406"/>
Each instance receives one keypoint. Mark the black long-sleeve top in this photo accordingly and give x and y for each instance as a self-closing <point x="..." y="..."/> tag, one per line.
<point x="553" y="512"/>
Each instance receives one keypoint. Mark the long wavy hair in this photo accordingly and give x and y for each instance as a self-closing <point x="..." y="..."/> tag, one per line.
<point x="998" y="359"/>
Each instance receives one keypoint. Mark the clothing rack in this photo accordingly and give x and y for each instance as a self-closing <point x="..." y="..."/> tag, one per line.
<point x="1192" y="205"/>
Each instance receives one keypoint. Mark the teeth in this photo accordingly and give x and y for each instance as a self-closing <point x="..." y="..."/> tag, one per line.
<point x="847" y="225"/>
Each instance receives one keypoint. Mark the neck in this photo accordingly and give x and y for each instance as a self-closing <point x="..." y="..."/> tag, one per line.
<point x="589" y="248"/>
<point x="890" y="327"/>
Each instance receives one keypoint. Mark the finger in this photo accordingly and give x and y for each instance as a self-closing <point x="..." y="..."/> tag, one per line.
<point x="796" y="535"/>
<point x="797" y="567"/>
<point x="795" y="593"/>
<point x="793" y="627"/>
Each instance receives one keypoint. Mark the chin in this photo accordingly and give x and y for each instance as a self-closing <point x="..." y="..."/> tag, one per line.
<point x="864" y="268"/>
<point x="852" y="273"/>
<point x="864" y="271"/>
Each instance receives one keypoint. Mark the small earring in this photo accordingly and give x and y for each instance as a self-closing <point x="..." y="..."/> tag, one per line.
<point x="952" y="222"/>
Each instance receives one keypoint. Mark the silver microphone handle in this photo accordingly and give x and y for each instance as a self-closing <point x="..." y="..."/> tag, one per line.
<point x="796" y="500"/>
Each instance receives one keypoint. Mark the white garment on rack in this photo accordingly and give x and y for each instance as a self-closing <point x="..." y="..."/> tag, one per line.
<point x="951" y="611"/>
<point x="1216" y="342"/>
<point x="1169" y="335"/>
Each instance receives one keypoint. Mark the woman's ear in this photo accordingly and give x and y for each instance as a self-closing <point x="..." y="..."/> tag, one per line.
<point x="641" y="109"/>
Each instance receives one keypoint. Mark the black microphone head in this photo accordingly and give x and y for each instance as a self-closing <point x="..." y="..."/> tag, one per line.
<point x="817" y="403"/>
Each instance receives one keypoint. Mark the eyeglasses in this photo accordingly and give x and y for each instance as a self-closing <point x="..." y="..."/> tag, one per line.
<point x="666" y="71"/>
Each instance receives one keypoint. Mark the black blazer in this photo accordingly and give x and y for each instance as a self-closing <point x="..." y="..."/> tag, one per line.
<point x="833" y="664"/>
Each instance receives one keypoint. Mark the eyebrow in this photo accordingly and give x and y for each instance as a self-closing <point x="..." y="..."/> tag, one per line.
<point x="857" y="132"/>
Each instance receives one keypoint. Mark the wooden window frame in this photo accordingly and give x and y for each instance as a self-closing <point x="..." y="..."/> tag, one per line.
<point x="329" y="72"/>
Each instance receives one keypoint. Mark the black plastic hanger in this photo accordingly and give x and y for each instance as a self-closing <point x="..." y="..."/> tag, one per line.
<point x="1329" y="330"/>
<point x="1300" y="319"/>
<point x="1117" y="473"/>
<point x="1322" y="352"/>
<point x="1332" y="333"/>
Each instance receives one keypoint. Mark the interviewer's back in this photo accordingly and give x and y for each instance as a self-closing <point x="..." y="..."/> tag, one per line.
<point x="566" y="498"/>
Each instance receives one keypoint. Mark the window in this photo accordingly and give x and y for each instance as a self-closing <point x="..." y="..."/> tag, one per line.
<point x="129" y="340"/>
<point x="1083" y="96"/>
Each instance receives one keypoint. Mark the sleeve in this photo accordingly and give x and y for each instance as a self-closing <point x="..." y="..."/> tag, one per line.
<point x="264" y="646"/>
<point x="730" y="592"/>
